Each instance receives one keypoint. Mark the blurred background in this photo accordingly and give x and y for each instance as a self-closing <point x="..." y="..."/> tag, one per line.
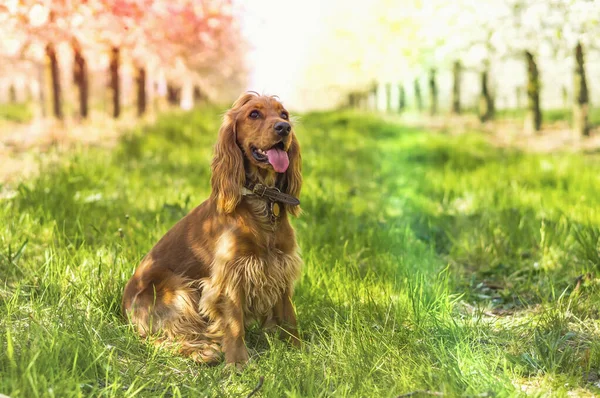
<point x="529" y="62"/>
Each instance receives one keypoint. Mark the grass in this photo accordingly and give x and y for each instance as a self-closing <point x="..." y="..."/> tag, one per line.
<point x="17" y="112"/>
<point x="431" y="263"/>
<point x="549" y="115"/>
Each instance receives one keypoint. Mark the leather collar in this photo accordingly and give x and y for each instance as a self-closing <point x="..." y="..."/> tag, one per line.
<point x="272" y="194"/>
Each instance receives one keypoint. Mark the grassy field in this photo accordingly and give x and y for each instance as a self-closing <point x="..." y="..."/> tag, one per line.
<point x="17" y="113"/>
<point x="431" y="263"/>
<point x="549" y="115"/>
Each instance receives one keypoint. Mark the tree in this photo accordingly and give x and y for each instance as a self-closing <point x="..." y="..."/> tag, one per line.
<point x="486" y="102"/>
<point x="401" y="98"/>
<point x="115" y="82"/>
<point x="456" y="77"/>
<point x="433" y="93"/>
<point x="575" y="31"/>
<point x="140" y="82"/>
<point x="418" y="96"/>
<point x="198" y="42"/>
<point x="533" y="117"/>
<point x="55" y="78"/>
<point x="388" y="97"/>
<point x="80" y="78"/>
<point x="581" y="99"/>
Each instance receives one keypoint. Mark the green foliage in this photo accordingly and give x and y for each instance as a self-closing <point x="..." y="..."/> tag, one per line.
<point x="410" y="240"/>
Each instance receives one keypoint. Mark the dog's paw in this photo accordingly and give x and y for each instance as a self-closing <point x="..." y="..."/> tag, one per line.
<point x="237" y="358"/>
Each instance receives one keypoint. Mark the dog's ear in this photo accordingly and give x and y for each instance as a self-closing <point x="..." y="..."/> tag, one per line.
<point x="293" y="175"/>
<point x="227" y="167"/>
<point x="228" y="161"/>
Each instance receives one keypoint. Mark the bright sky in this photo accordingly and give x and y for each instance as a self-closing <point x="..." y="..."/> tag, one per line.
<point x="280" y="34"/>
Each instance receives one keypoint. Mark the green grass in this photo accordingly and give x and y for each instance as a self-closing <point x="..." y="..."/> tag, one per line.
<point x="549" y="115"/>
<point x="18" y="112"/>
<point x="431" y="263"/>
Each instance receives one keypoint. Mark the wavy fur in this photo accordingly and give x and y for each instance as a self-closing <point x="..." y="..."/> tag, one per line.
<point x="225" y="263"/>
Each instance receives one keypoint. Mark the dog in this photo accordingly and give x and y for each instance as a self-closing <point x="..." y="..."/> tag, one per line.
<point x="233" y="259"/>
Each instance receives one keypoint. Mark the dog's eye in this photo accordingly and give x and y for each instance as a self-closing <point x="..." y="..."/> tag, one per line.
<point x="254" y="115"/>
<point x="284" y="115"/>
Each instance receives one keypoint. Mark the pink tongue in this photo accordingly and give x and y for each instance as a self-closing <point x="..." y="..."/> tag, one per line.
<point x="278" y="159"/>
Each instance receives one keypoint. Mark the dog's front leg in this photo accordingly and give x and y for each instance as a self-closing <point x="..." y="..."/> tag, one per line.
<point x="233" y="338"/>
<point x="285" y="317"/>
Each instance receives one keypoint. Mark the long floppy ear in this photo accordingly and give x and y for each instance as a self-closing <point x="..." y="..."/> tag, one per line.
<point x="228" y="162"/>
<point x="293" y="175"/>
<point x="227" y="167"/>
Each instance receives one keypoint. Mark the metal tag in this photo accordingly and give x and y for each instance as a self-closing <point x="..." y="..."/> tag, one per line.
<point x="275" y="209"/>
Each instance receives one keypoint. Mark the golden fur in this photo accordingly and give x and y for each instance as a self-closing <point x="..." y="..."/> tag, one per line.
<point x="226" y="262"/>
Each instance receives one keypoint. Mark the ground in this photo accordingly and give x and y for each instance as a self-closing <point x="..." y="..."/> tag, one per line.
<point x="433" y="262"/>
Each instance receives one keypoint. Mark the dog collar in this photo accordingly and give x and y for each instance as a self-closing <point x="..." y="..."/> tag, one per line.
<point x="272" y="194"/>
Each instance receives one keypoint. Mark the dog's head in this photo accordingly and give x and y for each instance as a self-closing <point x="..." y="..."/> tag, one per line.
<point x="256" y="139"/>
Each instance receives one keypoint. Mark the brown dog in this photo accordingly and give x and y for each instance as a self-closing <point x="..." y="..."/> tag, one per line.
<point x="234" y="258"/>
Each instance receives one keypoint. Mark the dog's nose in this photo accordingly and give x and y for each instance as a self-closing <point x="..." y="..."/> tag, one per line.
<point x="283" y="128"/>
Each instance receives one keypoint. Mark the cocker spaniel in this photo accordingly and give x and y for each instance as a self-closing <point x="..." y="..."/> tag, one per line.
<point x="234" y="258"/>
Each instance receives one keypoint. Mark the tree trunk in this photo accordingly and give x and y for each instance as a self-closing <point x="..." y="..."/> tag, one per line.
<point x="388" y="97"/>
<point x="80" y="77"/>
<point x="581" y="125"/>
<point x="141" y="90"/>
<point x="418" y="97"/>
<point x="12" y="94"/>
<point x="486" y="104"/>
<point x="198" y="96"/>
<point x="456" y="75"/>
<point x="374" y="99"/>
<point x="433" y="93"/>
<point x="402" y="99"/>
<point x="533" y="119"/>
<point x="173" y="94"/>
<point x="55" y="81"/>
<point x="115" y="60"/>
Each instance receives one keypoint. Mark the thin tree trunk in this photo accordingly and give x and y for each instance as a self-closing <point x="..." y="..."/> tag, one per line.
<point x="533" y="119"/>
<point x="581" y="125"/>
<point x="12" y="94"/>
<point x="402" y="99"/>
<point x="115" y="60"/>
<point x="141" y="90"/>
<point x="418" y="97"/>
<point x="173" y="94"/>
<point x="80" y="77"/>
<point x="388" y="97"/>
<point x="456" y="77"/>
<point x="198" y="97"/>
<point x="55" y="81"/>
<point x="433" y="93"/>
<point x="373" y="94"/>
<point x="486" y="104"/>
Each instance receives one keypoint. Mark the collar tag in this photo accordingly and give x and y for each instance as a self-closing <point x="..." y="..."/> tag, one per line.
<point x="275" y="210"/>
